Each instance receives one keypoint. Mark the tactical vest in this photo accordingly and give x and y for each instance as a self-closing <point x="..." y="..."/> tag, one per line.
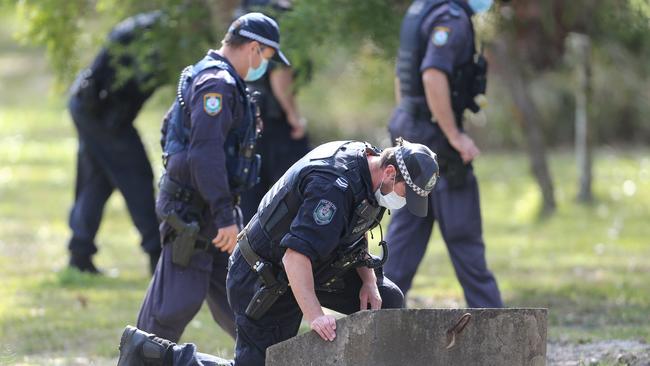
<point x="280" y="205"/>
<point x="242" y="163"/>
<point x="466" y="81"/>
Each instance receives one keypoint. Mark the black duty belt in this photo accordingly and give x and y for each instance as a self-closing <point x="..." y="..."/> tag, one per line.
<point x="181" y="193"/>
<point x="273" y="286"/>
<point x="253" y="260"/>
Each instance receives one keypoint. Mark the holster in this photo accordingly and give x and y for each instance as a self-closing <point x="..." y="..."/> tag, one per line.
<point x="185" y="238"/>
<point x="274" y="284"/>
<point x="328" y="276"/>
<point x="451" y="164"/>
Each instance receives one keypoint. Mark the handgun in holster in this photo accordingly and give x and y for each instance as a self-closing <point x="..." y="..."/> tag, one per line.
<point x="272" y="288"/>
<point x="185" y="238"/>
<point x="452" y="166"/>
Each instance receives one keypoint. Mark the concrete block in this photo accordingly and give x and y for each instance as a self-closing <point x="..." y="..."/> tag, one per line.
<point x="413" y="337"/>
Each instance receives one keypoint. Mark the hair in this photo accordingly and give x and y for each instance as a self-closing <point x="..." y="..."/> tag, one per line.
<point x="235" y="40"/>
<point x="388" y="158"/>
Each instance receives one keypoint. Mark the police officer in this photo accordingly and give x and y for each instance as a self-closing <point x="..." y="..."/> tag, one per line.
<point x="439" y="74"/>
<point x="309" y="235"/>
<point x="208" y="141"/>
<point x="110" y="153"/>
<point x="284" y="139"/>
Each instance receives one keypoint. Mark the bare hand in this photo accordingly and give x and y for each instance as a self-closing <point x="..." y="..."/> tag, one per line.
<point x="297" y="133"/>
<point x="369" y="293"/>
<point x="325" y="326"/>
<point x="298" y="126"/>
<point x="226" y="238"/>
<point x="466" y="147"/>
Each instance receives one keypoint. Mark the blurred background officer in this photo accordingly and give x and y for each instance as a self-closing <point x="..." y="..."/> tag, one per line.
<point x="439" y="74"/>
<point x="309" y="236"/>
<point x="208" y="141"/>
<point x="111" y="154"/>
<point x="284" y="138"/>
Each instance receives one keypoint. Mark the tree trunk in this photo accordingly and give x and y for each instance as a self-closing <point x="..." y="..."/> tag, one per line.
<point x="580" y="46"/>
<point x="526" y="112"/>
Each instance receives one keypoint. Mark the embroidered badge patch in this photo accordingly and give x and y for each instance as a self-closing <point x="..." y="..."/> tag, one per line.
<point x="341" y="183"/>
<point x="324" y="212"/>
<point x="431" y="183"/>
<point x="440" y="36"/>
<point x="212" y="103"/>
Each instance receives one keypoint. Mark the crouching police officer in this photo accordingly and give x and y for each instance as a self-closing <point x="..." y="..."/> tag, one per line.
<point x="309" y="234"/>
<point x="208" y="142"/>
<point x="439" y="74"/>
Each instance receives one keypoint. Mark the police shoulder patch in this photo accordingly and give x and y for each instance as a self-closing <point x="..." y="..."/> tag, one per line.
<point x="324" y="212"/>
<point x="440" y="36"/>
<point x="212" y="103"/>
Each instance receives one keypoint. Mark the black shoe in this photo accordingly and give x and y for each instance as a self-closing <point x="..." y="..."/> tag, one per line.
<point x="138" y="348"/>
<point x="153" y="260"/>
<point x="83" y="263"/>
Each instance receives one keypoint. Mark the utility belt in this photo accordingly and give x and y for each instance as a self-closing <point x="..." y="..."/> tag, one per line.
<point x="185" y="239"/>
<point x="180" y="193"/>
<point x="274" y="281"/>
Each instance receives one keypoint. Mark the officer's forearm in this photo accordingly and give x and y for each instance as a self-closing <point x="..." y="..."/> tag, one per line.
<point x="299" y="272"/>
<point x="367" y="275"/>
<point x="436" y="87"/>
<point x="281" y="80"/>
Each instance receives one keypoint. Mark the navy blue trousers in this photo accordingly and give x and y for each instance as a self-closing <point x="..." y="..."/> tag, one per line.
<point x="458" y="213"/>
<point x="110" y="159"/>
<point x="283" y="319"/>
<point x="176" y="294"/>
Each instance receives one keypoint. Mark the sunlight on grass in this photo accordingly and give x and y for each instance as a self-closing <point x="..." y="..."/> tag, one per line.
<point x="587" y="264"/>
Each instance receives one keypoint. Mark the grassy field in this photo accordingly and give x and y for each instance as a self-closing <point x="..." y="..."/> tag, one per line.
<point x="587" y="264"/>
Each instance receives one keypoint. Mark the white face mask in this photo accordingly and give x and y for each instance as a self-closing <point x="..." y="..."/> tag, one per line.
<point x="392" y="200"/>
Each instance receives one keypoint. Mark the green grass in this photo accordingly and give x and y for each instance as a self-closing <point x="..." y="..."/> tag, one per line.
<point x="587" y="264"/>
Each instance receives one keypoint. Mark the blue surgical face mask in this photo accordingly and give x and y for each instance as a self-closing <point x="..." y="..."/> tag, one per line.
<point x="480" y="6"/>
<point x="254" y="74"/>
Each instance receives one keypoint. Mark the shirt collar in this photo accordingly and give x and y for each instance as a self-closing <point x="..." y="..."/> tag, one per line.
<point x="463" y="4"/>
<point x="365" y="176"/>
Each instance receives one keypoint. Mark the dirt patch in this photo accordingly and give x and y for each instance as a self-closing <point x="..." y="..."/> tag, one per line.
<point x="613" y="352"/>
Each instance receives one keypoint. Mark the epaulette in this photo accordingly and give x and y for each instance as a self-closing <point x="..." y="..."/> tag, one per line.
<point x="341" y="183"/>
<point x="455" y="10"/>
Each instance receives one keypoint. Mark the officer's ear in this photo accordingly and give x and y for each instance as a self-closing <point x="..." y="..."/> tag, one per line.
<point x="390" y="170"/>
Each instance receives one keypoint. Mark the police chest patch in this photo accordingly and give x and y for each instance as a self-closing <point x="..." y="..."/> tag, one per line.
<point x="440" y="36"/>
<point x="324" y="212"/>
<point x="212" y="103"/>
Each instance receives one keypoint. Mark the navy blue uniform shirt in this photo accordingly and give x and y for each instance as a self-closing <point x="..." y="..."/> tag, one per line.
<point x="203" y="166"/>
<point x="451" y="42"/>
<point x="323" y="217"/>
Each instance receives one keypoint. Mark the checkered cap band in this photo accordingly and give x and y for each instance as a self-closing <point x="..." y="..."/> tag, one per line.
<point x="405" y="173"/>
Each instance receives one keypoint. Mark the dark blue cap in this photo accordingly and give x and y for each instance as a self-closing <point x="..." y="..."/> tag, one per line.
<point x="419" y="168"/>
<point x="260" y="28"/>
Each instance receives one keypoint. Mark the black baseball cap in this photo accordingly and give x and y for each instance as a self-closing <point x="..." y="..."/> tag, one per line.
<point x="419" y="168"/>
<point x="260" y="28"/>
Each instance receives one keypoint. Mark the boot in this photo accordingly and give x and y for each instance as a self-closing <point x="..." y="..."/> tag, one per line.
<point x="138" y="348"/>
<point x="83" y="263"/>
